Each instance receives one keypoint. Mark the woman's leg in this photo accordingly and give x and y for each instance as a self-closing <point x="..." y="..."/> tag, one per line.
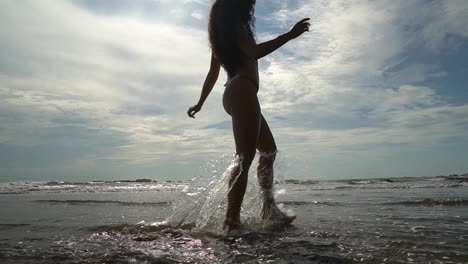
<point x="240" y="100"/>
<point x="267" y="147"/>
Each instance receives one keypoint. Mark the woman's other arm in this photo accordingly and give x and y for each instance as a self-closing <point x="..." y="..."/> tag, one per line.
<point x="208" y="85"/>
<point x="258" y="51"/>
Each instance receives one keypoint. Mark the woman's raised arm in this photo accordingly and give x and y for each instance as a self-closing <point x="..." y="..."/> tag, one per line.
<point x="208" y="85"/>
<point x="258" y="51"/>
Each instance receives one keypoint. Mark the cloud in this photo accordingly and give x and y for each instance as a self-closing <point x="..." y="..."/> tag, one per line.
<point x="416" y="73"/>
<point x="446" y="22"/>
<point x="111" y="81"/>
<point x="352" y="85"/>
<point x="349" y="51"/>
<point x="80" y="71"/>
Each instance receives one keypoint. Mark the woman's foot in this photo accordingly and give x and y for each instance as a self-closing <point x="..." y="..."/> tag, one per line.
<point x="232" y="224"/>
<point x="272" y="215"/>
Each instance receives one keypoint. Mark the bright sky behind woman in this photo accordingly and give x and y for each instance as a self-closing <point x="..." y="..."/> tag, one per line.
<point x="99" y="89"/>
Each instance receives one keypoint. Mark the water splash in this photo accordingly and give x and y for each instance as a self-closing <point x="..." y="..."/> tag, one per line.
<point x="203" y="203"/>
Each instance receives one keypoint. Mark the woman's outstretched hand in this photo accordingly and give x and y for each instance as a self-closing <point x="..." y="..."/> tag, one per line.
<point x="193" y="110"/>
<point x="300" y="27"/>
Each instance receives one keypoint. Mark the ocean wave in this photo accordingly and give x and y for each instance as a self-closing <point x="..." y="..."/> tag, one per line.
<point x="303" y="182"/>
<point x="10" y="226"/>
<point x="101" y="182"/>
<point x="124" y="203"/>
<point x="147" y="185"/>
<point x="298" y="203"/>
<point x="433" y="202"/>
<point x="460" y="178"/>
<point x="142" y="228"/>
<point x="84" y="187"/>
<point x="398" y="183"/>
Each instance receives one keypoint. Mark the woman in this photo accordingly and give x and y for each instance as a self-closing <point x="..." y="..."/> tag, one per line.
<point x="231" y="34"/>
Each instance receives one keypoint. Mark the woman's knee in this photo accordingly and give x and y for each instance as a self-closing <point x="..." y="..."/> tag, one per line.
<point x="246" y="159"/>
<point x="267" y="156"/>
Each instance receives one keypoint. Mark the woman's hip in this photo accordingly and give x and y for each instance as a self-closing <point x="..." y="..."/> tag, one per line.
<point x="239" y="93"/>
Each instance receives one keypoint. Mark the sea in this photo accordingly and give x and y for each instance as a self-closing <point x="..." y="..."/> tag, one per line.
<point x="381" y="220"/>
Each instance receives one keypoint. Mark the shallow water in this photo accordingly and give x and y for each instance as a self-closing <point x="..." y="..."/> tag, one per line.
<point x="404" y="220"/>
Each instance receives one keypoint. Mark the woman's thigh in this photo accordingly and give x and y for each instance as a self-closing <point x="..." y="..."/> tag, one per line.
<point x="242" y="102"/>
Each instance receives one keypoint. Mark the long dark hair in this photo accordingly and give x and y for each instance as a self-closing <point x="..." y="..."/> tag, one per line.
<point x="226" y="17"/>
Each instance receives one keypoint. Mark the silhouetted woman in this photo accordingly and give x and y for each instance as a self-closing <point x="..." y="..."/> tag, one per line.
<point x="231" y="34"/>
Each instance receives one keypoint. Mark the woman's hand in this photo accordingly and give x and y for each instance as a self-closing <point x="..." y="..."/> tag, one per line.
<point x="300" y="27"/>
<point x="193" y="110"/>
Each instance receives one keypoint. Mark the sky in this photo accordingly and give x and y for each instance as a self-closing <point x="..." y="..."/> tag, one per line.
<point x="98" y="89"/>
